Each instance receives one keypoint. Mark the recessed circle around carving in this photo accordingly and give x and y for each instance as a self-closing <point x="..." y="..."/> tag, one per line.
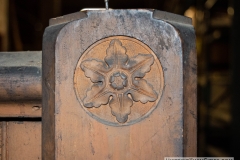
<point x="118" y="81"/>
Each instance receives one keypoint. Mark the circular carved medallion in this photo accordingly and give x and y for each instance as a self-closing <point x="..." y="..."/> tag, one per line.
<point x="118" y="80"/>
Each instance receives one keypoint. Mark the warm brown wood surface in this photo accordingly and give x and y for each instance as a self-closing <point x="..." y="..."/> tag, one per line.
<point x="187" y="34"/>
<point x="20" y="76"/>
<point x="48" y="99"/>
<point x="71" y="132"/>
<point x="125" y="94"/>
<point x="20" y="84"/>
<point x="48" y="83"/>
<point x="21" y="109"/>
<point x="20" y="140"/>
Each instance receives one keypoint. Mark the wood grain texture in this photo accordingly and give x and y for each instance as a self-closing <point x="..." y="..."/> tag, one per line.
<point x="20" y="76"/>
<point x="120" y="79"/>
<point x="20" y="140"/>
<point x="70" y="133"/>
<point x="21" y="109"/>
<point x="3" y="138"/>
<point x="20" y="84"/>
<point x="48" y="88"/>
<point x="187" y="34"/>
<point x="189" y="91"/>
<point x="67" y="18"/>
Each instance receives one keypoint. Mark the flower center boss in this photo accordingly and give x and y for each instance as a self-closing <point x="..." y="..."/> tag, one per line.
<point x="117" y="81"/>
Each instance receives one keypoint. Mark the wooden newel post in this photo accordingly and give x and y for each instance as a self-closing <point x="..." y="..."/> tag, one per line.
<point x="119" y="84"/>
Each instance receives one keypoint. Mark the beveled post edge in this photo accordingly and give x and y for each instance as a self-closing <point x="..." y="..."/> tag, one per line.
<point x="187" y="33"/>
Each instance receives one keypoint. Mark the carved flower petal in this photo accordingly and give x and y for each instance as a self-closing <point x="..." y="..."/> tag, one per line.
<point x="139" y="65"/>
<point x="120" y="105"/>
<point x="94" y="69"/>
<point x="97" y="96"/>
<point x="116" y="54"/>
<point x="142" y="91"/>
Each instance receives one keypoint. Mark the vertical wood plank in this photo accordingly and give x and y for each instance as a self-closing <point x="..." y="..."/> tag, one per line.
<point x="48" y="99"/>
<point x="158" y="135"/>
<point x="3" y="142"/>
<point x="187" y="34"/>
<point x="20" y="140"/>
<point x="4" y="9"/>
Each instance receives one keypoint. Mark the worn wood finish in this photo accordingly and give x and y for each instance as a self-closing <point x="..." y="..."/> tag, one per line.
<point x="20" y="76"/>
<point x="48" y="99"/>
<point x="70" y="132"/>
<point x="48" y="83"/>
<point x="20" y="140"/>
<point x="21" y="109"/>
<point x="187" y="34"/>
<point x="20" y="84"/>
<point x="122" y="68"/>
<point x="67" y="18"/>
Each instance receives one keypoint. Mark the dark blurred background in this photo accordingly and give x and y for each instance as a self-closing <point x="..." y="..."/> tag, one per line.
<point x="217" y="24"/>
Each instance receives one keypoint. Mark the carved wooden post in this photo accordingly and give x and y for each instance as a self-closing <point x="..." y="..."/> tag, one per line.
<point x="119" y="84"/>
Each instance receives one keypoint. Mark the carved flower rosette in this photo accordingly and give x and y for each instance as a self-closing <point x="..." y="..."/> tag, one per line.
<point x="118" y="81"/>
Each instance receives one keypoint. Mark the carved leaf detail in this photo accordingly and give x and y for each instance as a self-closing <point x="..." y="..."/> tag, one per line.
<point x="120" y="105"/>
<point x="140" y="65"/>
<point x="116" y="54"/>
<point x="142" y="91"/>
<point x="95" y="70"/>
<point x="97" y="96"/>
<point x="112" y="77"/>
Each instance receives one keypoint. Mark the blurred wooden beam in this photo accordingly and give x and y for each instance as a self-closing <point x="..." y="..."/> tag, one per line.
<point x="57" y="8"/>
<point x="4" y="25"/>
<point x="236" y="81"/>
<point x="50" y="9"/>
<point x="18" y="46"/>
